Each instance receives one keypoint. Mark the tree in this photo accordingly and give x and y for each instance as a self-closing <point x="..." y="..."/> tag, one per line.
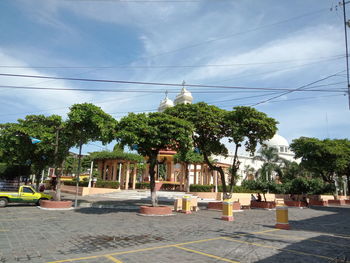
<point x="324" y="158"/>
<point x="246" y="126"/>
<point x="291" y="170"/>
<point x="18" y="149"/>
<point x="209" y="129"/>
<point x="150" y="133"/>
<point x="242" y="125"/>
<point x="187" y="158"/>
<point x="272" y="162"/>
<point x="87" y="122"/>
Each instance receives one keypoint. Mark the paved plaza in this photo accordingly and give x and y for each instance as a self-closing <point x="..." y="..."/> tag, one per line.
<point x="28" y="234"/>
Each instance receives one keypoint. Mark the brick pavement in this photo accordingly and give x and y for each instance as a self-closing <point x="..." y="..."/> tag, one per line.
<point x="28" y="234"/>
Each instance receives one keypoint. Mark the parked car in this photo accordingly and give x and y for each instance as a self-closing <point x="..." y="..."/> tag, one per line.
<point x="24" y="194"/>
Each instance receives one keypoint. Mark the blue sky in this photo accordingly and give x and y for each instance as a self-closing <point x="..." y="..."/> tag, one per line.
<point x="250" y="43"/>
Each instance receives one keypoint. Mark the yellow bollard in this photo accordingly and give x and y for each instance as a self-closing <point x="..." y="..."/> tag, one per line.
<point x="186" y="204"/>
<point x="227" y="213"/>
<point x="282" y="218"/>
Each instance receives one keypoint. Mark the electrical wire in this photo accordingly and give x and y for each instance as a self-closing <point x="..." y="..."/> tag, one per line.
<point x="300" y="88"/>
<point x="136" y="83"/>
<point x="319" y="59"/>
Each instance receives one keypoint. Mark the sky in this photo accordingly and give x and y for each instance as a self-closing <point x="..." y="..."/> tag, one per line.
<point x="265" y="44"/>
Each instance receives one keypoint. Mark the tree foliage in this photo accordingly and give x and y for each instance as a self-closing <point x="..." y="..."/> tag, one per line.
<point x="87" y="122"/>
<point x="150" y="133"/>
<point x="325" y="158"/>
<point x="18" y="148"/>
<point x="271" y="162"/>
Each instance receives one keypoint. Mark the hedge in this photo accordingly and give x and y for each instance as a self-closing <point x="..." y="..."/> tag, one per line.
<point x="142" y="186"/>
<point x="74" y="183"/>
<point x="295" y="186"/>
<point x="201" y="188"/>
<point x="100" y="184"/>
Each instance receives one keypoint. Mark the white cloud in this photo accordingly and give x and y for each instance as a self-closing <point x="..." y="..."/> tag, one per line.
<point x="310" y="43"/>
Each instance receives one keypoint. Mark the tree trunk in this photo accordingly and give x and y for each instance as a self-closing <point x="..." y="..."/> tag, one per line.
<point x="58" y="186"/>
<point x="348" y="181"/>
<point x="187" y="177"/>
<point x="37" y="180"/>
<point x="152" y="165"/>
<point x="226" y="194"/>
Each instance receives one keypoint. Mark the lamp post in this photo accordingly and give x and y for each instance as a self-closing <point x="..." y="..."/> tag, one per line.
<point x="78" y="176"/>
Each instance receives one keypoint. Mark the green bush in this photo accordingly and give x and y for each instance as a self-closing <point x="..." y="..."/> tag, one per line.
<point x="100" y="184"/>
<point x="73" y="183"/>
<point x="107" y="184"/>
<point x="201" y="188"/>
<point x="142" y="186"/>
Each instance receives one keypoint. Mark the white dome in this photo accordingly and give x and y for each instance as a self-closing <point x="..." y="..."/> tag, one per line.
<point x="165" y="103"/>
<point x="277" y="141"/>
<point x="184" y="97"/>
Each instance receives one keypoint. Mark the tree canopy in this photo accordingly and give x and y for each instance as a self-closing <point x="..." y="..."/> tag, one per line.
<point x="150" y="133"/>
<point x="324" y="158"/>
<point x="87" y="122"/>
<point x="212" y="124"/>
<point x="18" y="149"/>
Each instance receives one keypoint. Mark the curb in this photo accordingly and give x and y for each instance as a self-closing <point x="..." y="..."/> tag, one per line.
<point x="57" y="209"/>
<point x="92" y="205"/>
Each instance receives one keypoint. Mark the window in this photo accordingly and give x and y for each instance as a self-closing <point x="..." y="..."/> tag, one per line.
<point x="27" y="190"/>
<point x="282" y="149"/>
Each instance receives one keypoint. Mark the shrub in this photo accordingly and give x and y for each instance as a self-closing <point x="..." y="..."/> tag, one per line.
<point x="299" y="185"/>
<point x="201" y="188"/>
<point x="142" y="186"/>
<point x="73" y="183"/>
<point x="100" y="184"/>
<point x="170" y="187"/>
<point x="107" y="184"/>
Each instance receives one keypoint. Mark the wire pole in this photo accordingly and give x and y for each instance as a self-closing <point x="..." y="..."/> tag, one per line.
<point x="346" y="50"/>
<point x="78" y="176"/>
<point x="58" y="178"/>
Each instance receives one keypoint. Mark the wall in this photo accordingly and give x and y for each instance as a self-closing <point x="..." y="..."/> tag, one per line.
<point x="83" y="191"/>
<point x="244" y="198"/>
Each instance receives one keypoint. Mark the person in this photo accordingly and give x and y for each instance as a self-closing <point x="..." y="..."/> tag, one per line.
<point x="42" y="188"/>
<point x="292" y="197"/>
<point x="252" y="198"/>
<point x="304" y="199"/>
<point x="259" y="197"/>
<point x="53" y="183"/>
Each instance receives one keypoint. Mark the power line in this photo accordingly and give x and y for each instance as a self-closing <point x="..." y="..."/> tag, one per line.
<point x="346" y="49"/>
<point x="319" y="59"/>
<point x="301" y="87"/>
<point x="275" y="71"/>
<point x="135" y="83"/>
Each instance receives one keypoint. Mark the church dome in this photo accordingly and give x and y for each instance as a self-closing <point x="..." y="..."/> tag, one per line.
<point x="278" y="142"/>
<point x="184" y="97"/>
<point x="165" y="103"/>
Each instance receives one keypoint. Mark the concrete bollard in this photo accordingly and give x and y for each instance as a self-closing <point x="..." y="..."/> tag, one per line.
<point x="282" y="218"/>
<point x="186" y="204"/>
<point x="227" y="213"/>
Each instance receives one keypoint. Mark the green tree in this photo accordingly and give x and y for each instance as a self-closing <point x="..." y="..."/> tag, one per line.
<point x="87" y="122"/>
<point x="150" y="133"/>
<point x="324" y="158"/>
<point x="209" y="129"/>
<point x="18" y="148"/>
<point x="272" y="162"/>
<point x="247" y="126"/>
<point x="187" y="158"/>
